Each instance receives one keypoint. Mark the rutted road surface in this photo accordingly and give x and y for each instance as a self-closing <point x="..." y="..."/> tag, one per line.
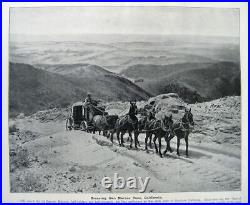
<point x="75" y="161"/>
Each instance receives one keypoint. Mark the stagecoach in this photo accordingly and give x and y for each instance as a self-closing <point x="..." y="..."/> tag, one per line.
<point x="81" y="116"/>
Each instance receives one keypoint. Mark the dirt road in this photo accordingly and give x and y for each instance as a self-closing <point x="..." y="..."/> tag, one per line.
<point x="75" y="161"/>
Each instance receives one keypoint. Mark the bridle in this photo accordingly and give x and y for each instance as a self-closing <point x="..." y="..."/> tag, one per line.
<point x="187" y="121"/>
<point x="183" y="123"/>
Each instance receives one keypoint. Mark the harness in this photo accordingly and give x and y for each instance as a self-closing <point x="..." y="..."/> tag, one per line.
<point x="181" y="126"/>
<point x="103" y="112"/>
<point x="105" y="121"/>
<point x="149" y="124"/>
<point x="131" y="121"/>
<point x="162" y="126"/>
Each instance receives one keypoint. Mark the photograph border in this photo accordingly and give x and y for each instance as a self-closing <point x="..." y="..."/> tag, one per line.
<point x="234" y="196"/>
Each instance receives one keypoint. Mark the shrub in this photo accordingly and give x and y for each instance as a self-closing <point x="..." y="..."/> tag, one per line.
<point x="19" y="158"/>
<point x="27" y="182"/>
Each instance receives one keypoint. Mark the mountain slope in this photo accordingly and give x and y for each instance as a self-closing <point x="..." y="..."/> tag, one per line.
<point x="98" y="80"/>
<point x="34" y="89"/>
<point x="192" y="81"/>
<point x="75" y="70"/>
<point x="145" y="71"/>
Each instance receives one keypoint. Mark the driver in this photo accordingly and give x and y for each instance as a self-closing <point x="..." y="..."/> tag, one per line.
<point x="88" y="100"/>
<point x="87" y="106"/>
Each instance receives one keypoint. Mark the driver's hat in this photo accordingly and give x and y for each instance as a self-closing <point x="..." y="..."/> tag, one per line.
<point x="133" y="101"/>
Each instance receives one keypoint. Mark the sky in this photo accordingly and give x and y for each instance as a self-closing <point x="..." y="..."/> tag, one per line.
<point x="125" y="20"/>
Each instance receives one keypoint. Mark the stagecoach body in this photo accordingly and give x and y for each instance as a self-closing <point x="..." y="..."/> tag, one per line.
<point x="77" y="111"/>
<point x="77" y="117"/>
<point x="82" y="115"/>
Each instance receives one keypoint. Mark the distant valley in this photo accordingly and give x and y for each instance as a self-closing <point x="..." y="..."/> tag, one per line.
<point x="56" y="72"/>
<point x="118" y="52"/>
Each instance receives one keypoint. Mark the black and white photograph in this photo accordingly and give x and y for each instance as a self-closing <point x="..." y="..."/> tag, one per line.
<point x="115" y="99"/>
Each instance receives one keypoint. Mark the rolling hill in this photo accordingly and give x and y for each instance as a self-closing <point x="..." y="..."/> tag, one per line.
<point x="118" y="52"/>
<point x="78" y="70"/>
<point x="32" y="89"/>
<point x="192" y="81"/>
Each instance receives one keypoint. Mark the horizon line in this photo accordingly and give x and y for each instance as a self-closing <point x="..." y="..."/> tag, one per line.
<point x="131" y="34"/>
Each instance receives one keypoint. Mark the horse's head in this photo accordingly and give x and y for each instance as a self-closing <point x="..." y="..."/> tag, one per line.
<point x="132" y="102"/>
<point x="188" y="117"/>
<point x="133" y="106"/>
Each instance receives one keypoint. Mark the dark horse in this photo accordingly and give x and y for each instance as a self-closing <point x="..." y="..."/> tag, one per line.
<point x="181" y="129"/>
<point x="125" y="124"/>
<point x="160" y="128"/>
<point x="128" y="123"/>
<point x="142" y="123"/>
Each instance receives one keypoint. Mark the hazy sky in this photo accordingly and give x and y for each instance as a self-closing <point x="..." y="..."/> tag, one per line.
<point x="124" y="20"/>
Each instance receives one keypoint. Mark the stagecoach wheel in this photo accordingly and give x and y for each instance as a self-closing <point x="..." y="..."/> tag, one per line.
<point x="67" y="121"/>
<point x="84" y="126"/>
<point x="68" y="126"/>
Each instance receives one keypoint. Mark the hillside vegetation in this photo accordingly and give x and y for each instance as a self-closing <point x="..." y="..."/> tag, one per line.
<point x="192" y="81"/>
<point x="34" y="89"/>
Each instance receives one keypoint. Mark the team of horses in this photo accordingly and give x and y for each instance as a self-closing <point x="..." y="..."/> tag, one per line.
<point x="155" y="129"/>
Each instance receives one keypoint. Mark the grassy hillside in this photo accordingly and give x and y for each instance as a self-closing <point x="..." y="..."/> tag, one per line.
<point x="34" y="89"/>
<point x="101" y="82"/>
<point x="152" y="71"/>
<point x="78" y="70"/>
<point x="192" y="81"/>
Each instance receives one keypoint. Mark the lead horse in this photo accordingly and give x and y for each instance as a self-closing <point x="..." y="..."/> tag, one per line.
<point x="181" y="129"/>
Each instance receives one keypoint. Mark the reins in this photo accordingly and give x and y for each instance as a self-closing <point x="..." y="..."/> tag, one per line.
<point x="103" y="112"/>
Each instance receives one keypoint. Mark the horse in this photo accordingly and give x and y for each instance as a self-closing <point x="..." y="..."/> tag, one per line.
<point x="99" y="123"/>
<point x="159" y="128"/>
<point x="141" y="126"/>
<point x="181" y="129"/>
<point x="128" y="123"/>
<point x="104" y="123"/>
<point x="111" y="121"/>
<point x="125" y="124"/>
